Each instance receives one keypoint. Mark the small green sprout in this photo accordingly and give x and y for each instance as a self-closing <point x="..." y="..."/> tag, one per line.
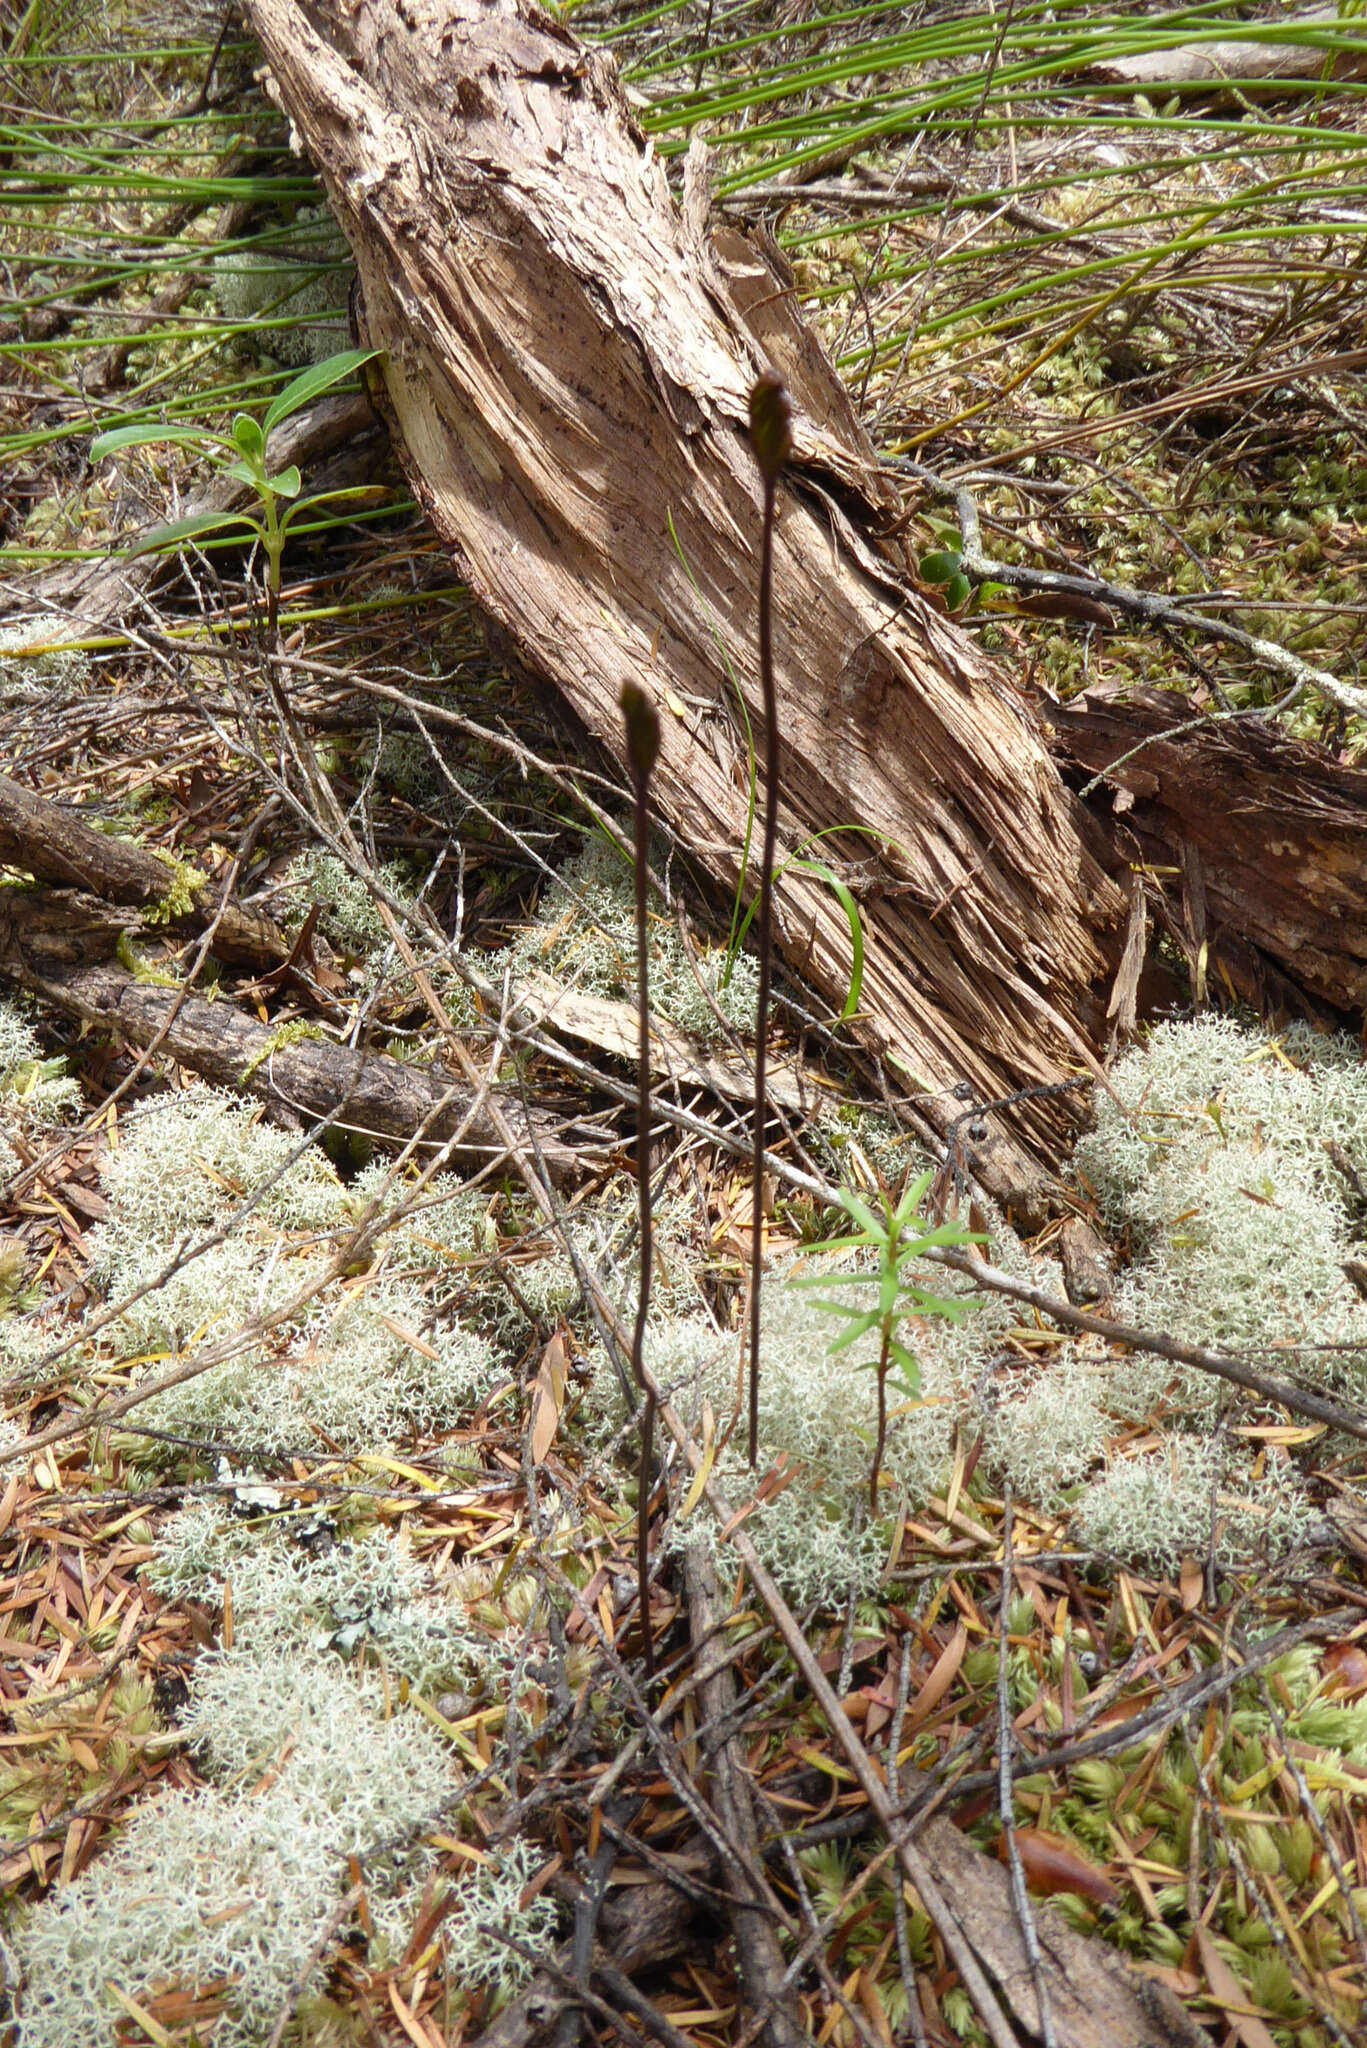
<point x="898" y="1297"/>
<point x="943" y="568"/>
<point x="241" y="454"/>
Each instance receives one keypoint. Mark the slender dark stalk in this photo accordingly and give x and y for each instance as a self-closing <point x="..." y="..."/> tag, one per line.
<point x="643" y="747"/>
<point x="884" y="1360"/>
<point x="771" y="436"/>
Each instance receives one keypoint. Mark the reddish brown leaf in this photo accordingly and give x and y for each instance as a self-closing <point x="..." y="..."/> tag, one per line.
<point x="549" y="1397"/>
<point x="1053" y="1865"/>
<point x="1346" y="1663"/>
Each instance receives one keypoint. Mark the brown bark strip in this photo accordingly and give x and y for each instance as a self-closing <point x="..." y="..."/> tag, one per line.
<point x="46" y="944"/>
<point x="1269" y="835"/>
<point x="567" y="373"/>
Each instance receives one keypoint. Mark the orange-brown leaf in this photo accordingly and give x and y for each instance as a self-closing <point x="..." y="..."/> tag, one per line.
<point x="549" y="1397"/>
<point x="1347" y="1664"/>
<point x="1053" y="1865"/>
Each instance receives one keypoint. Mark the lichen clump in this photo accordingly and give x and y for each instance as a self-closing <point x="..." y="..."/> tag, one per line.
<point x="216" y="1220"/>
<point x="1227" y="1185"/>
<point x="289" y="296"/>
<point x="584" y="934"/>
<point x="314" y="1769"/>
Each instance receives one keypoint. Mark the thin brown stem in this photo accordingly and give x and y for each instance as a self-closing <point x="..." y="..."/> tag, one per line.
<point x="645" y="1224"/>
<point x="643" y="747"/>
<point x="766" y="884"/>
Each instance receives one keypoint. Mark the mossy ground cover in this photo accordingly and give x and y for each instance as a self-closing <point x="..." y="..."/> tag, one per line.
<point x="310" y="1667"/>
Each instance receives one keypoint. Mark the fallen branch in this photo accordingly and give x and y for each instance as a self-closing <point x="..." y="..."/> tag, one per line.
<point x="1267" y="836"/>
<point x="1145" y="605"/>
<point x="53" y="844"/>
<point x="1299" y="1400"/>
<point x="45" y="945"/>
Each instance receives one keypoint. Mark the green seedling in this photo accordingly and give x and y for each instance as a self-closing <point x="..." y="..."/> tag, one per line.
<point x="241" y="455"/>
<point x="642" y="723"/>
<point x="898" y="1236"/>
<point x="943" y="570"/>
<point x="771" y="437"/>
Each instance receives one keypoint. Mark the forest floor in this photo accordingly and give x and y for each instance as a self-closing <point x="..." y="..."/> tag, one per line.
<point x="320" y="1646"/>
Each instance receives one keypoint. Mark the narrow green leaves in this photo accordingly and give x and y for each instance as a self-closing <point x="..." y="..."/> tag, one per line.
<point x="896" y="1237"/>
<point x="149" y="433"/>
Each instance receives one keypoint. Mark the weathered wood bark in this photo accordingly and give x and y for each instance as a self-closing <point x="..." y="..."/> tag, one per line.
<point x="567" y="377"/>
<point x="57" y="944"/>
<point x="1268" y="838"/>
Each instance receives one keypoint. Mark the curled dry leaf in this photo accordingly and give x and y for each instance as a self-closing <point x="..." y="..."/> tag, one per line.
<point x="1345" y="1666"/>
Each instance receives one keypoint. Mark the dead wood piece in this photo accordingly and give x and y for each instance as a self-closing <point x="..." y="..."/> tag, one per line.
<point x="1242" y="65"/>
<point x="567" y="369"/>
<point x="642" y="1925"/>
<point x="759" y="1957"/>
<point x="1268" y="833"/>
<point x="53" y="844"/>
<point x="46" y="946"/>
<point x="1086" y="1263"/>
<point x="674" y="1053"/>
<point x="1096" y="1999"/>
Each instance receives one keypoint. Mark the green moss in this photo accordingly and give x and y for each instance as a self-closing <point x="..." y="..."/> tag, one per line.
<point x="182" y="893"/>
<point x="293" y="1033"/>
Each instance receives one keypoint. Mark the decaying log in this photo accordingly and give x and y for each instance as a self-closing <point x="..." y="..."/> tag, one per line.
<point x="1243" y="67"/>
<point x="51" y="843"/>
<point x="1255" y="844"/>
<point x="58" y="943"/>
<point x="568" y="362"/>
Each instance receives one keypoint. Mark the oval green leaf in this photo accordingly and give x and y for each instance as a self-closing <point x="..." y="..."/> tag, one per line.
<point x="311" y="383"/>
<point x="147" y="434"/>
<point x="942" y="566"/>
<point x="248" y="436"/>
